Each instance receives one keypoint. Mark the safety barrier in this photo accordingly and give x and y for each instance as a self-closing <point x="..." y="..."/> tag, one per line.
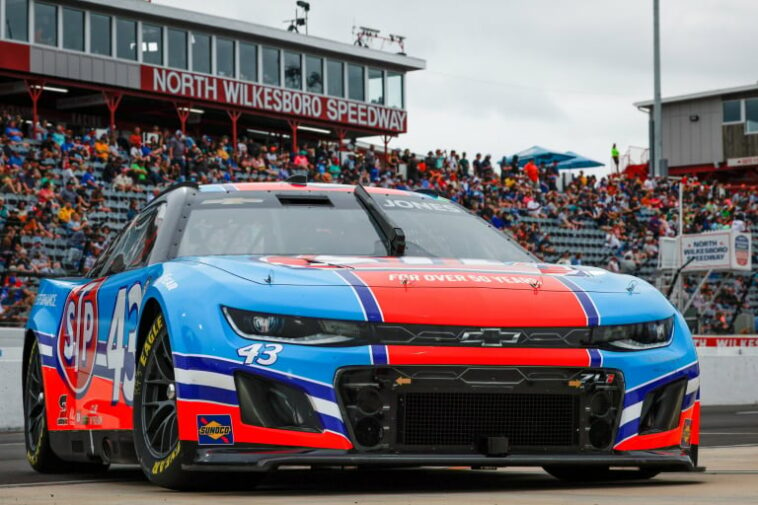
<point x="728" y="371"/>
<point x="11" y="348"/>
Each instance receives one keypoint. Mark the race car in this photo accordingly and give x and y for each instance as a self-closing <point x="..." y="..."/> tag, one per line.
<point x="251" y="326"/>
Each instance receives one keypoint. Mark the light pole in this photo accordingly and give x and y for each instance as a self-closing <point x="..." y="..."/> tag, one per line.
<point x="657" y="141"/>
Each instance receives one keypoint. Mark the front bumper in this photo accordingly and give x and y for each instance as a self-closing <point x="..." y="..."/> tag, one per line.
<point x="239" y="459"/>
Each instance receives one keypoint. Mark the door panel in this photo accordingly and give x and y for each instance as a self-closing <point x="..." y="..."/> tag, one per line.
<point x="94" y="350"/>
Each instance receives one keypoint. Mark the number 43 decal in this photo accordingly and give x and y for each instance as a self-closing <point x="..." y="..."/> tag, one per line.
<point x="260" y="354"/>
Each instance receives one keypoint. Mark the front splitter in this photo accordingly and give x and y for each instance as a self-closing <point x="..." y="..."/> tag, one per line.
<point x="230" y="459"/>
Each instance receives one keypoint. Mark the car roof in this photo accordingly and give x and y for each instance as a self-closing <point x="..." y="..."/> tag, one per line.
<point x="289" y="186"/>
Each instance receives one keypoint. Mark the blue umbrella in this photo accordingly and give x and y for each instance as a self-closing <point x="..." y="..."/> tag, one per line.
<point x="578" y="161"/>
<point x="541" y="155"/>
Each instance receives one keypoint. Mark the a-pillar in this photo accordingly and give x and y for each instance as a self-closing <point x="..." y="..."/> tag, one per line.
<point x="183" y="111"/>
<point x="34" y="88"/>
<point x="112" y="101"/>
<point x="234" y="115"/>
<point x="293" y="128"/>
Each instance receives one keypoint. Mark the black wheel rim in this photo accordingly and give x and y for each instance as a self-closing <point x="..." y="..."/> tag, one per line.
<point x="34" y="403"/>
<point x="158" y="398"/>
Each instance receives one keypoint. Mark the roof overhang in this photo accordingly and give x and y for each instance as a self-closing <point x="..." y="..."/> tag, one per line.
<point x="140" y="9"/>
<point x="646" y="104"/>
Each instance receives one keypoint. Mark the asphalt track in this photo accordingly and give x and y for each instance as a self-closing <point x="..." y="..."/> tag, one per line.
<point x="729" y="450"/>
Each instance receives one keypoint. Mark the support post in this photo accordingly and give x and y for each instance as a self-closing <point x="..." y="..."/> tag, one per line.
<point x="657" y="140"/>
<point x="341" y="134"/>
<point x="293" y="126"/>
<point x="386" y="139"/>
<point x="34" y="88"/>
<point x="183" y="111"/>
<point x="234" y="115"/>
<point x="112" y="101"/>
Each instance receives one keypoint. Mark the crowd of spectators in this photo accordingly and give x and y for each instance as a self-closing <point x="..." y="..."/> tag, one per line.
<point x="53" y="180"/>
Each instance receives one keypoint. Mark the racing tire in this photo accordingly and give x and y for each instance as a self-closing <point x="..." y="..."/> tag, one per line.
<point x="156" y="430"/>
<point x="593" y="473"/>
<point x="39" y="453"/>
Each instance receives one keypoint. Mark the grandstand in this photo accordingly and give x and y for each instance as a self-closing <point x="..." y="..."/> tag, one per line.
<point x="74" y="170"/>
<point x="582" y="224"/>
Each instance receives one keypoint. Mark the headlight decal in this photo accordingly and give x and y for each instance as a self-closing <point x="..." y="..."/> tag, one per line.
<point x="634" y="337"/>
<point x="292" y="329"/>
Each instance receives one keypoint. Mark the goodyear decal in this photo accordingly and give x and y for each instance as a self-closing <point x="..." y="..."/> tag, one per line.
<point x="163" y="464"/>
<point x="215" y="430"/>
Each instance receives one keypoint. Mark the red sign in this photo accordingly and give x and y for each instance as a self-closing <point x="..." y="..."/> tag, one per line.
<point x="726" y="341"/>
<point x="77" y="336"/>
<point x="272" y="99"/>
<point x="14" y="56"/>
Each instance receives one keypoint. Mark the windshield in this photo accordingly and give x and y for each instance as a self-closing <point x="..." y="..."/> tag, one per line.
<point x="440" y="228"/>
<point x="334" y="223"/>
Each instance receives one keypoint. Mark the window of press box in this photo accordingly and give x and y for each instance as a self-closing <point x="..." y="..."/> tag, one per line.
<point x="152" y="44"/>
<point x="45" y="24"/>
<point x="395" y="90"/>
<point x="126" y="39"/>
<point x="293" y="70"/>
<point x="224" y="57"/>
<point x="335" y="82"/>
<point x="73" y="29"/>
<point x="314" y="74"/>
<point x="17" y="20"/>
<point x="177" y="49"/>
<point x="732" y="111"/>
<point x="270" y="58"/>
<point x="751" y="115"/>
<point x="356" y="85"/>
<point x="201" y="53"/>
<point x="100" y="34"/>
<point x="375" y="86"/>
<point x="248" y="62"/>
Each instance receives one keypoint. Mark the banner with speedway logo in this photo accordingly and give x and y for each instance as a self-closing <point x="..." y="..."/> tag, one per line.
<point x="719" y="250"/>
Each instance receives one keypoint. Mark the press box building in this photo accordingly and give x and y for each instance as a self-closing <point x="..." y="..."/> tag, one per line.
<point x="131" y="62"/>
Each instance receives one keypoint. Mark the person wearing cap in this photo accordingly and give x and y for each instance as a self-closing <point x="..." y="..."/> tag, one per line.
<point x="301" y="159"/>
<point x="88" y="178"/>
<point x="177" y="150"/>
<point x="101" y="148"/>
<point x="135" y="139"/>
<point x="66" y="212"/>
<point x="76" y="243"/>
<point x="68" y="194"/>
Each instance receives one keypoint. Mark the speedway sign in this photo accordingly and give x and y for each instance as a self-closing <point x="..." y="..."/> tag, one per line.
<point x="272" y="99"/>
<point x="720" y="250"/>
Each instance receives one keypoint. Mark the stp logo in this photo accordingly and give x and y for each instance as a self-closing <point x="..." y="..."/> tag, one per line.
<point x="77" y="336"/>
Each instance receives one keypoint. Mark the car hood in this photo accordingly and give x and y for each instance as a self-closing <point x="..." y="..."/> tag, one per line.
<point x="413" y="272"/>
<point x="438" y="291"/>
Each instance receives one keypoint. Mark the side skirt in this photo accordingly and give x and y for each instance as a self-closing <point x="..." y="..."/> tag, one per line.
<point x="90" y="446"/>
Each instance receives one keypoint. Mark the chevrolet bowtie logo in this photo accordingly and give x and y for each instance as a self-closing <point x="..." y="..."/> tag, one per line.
<point x="491" y="337"/>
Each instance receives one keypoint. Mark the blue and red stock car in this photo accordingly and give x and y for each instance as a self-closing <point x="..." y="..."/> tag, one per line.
<point x="244" y="327"/>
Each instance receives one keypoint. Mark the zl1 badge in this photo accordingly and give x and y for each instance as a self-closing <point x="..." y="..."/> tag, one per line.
<point x="215" y="430"/>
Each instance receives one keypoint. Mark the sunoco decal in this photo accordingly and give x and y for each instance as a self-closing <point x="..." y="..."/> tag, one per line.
<point x="215" y="430"/>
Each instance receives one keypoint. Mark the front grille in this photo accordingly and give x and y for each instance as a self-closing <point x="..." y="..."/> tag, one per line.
<point x="480" y="409"/>
<point x="461" y="419"/>
<point x="420" y="334"/>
